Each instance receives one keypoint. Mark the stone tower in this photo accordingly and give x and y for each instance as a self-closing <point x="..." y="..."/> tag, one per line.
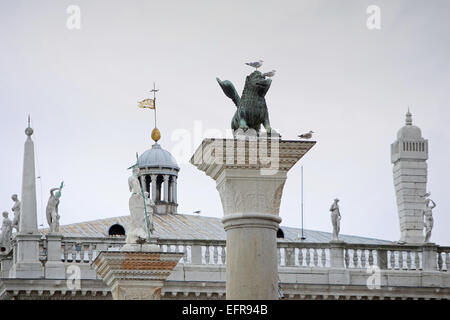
<point x="409" y="154"/>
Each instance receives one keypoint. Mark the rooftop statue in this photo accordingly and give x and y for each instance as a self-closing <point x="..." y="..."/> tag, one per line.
<point x="251" y="107"/>
<point x="52" y="209"/>
<point x="138" y="233"/>
<point x="335" y="219"/>
<point x="427" y="213"/>
<point x="16" y="210"/>
<point x="6" y="234"/>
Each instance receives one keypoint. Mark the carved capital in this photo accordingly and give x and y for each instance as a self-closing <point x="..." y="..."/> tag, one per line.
<point x="249" y="192"/>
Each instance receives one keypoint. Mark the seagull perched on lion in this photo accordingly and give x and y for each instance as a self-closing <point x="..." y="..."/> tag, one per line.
<point x="306" y="135"/>
<point x="255" y="64"/>
<point x="269" y="74"/>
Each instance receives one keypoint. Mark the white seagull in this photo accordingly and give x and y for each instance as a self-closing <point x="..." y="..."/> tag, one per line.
<point x="306" y="135"/>
<point x="269" y="74"/>
<point x="255" y="64"/>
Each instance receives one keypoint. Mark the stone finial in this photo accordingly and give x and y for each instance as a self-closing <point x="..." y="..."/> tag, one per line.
<point x="29" y="131"/>
<point x="408" y="120"/>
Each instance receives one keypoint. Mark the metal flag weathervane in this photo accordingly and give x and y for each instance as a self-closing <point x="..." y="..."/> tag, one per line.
<point x="151" y="104"/>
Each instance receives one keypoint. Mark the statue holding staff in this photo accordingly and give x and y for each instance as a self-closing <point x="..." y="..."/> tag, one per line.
<point x="137" y="205"/>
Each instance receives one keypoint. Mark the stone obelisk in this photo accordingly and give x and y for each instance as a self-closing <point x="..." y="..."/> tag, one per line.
<point x="26" y="251"/>
<point x="250" y="173"/>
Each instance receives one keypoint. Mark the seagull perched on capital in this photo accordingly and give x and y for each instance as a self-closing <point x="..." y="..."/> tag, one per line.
<point x="306" y="135"/>
<point x="255" y="64"/>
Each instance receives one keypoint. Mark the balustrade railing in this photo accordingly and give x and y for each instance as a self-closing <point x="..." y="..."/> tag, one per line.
<point x="290" y="254"/>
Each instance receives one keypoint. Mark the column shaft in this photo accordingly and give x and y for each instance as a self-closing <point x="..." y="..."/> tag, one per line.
<point x="166" y="187"/>
<point x="153" y="182"/>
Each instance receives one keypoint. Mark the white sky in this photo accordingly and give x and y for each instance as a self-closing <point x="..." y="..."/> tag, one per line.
<point x="350" y="85"/>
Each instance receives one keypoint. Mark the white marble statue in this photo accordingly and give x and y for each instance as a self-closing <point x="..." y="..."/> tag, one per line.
<point x="427" y="214"/>
<point x="7" y="227"/>
<point x="16" y="210"/>
<point x="52" y="209"/>
<point x="138" y="233"/>
<point x="335" y="219"/>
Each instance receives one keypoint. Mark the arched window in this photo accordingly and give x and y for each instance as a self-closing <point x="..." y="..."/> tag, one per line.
<point x="280" y="233"/>
<point x="116" y="230"/>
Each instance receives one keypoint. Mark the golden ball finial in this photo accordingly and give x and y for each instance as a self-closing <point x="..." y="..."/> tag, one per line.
<point x="156" y="135"/>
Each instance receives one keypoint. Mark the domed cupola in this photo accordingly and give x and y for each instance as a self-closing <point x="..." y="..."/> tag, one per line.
<point x="408" y="131"/>
<point x="158" y="171"/>
<point x="157" y="157"/>
<point x="410" y="144"/>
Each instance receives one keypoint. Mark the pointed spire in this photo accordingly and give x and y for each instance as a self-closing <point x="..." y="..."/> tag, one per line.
<point x="408" y="120"/>
<point x="28" y="216"/>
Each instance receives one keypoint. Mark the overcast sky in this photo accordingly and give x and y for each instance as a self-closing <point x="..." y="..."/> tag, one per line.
<point x="349" y="84"/>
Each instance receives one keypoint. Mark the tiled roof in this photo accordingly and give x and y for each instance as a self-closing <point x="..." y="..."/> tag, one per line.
<point x="189" y="227"/>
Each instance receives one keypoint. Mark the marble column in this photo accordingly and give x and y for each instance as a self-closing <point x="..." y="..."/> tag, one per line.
<point x="251" y="193"/>
<point x="26" y="251"/>
<point x="144" y="183"/>
<point x="174" y="189"/>
<point x="166" y="187"/>
<point x="153" y="182"/>
<point x="170" y="189"/>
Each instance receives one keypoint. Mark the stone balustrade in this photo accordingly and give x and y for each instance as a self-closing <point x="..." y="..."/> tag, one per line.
<point x="306" y="270"/>
<point x="290" y="254"/>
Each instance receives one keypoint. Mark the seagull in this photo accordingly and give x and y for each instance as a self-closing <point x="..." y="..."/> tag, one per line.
<point x="269" y="74"/>
<point x="255" y="64"/>
<point x="306" y="135"/>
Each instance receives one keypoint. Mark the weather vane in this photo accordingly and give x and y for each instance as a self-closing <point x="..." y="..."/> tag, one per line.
<point x="151" y="104"/>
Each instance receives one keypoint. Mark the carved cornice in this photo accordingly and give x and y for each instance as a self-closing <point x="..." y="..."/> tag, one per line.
<point x="215" y="155"/>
